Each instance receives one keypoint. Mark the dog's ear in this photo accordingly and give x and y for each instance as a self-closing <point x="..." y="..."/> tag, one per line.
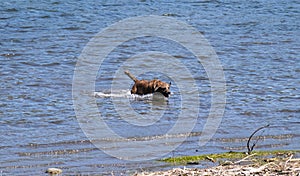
<point x="170" y="83"/>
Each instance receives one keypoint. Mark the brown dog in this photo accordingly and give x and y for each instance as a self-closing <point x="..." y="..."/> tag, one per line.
<point x="142" y="87"/>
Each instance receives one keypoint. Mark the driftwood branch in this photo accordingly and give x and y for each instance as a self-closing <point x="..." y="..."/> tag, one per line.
<point x="244" y="159"/>
<point x="284" y="167"/>
<point x="250" y="149"/>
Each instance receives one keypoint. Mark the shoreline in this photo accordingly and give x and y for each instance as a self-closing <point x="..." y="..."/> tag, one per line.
<point x="258" y="163"/>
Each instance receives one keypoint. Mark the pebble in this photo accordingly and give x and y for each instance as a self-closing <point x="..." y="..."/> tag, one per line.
<point x="53" y="171"/>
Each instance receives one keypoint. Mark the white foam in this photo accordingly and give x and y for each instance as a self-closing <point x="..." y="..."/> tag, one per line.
<point x="121" y="93"/>
<point x="127" y="94"/>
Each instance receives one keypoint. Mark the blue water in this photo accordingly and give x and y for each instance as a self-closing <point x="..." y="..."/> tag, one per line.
<point x="257" y="43"/>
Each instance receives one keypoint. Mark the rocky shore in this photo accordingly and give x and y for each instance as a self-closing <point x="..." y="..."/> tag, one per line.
<point x="264" y="166"/>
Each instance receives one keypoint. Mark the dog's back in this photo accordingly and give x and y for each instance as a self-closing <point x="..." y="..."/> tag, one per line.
<point x="142" y="87"/>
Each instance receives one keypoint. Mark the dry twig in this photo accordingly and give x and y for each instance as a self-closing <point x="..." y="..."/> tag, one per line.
<point x="250" y="149"/>
<point x="244" y="159"/>
<point x="287" y="161"/>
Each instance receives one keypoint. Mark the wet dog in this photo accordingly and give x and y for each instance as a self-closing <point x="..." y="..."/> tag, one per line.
<point x="143" y="87"/>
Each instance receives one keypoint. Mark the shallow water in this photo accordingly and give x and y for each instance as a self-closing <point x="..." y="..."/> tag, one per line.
<point x="257" y="44"/>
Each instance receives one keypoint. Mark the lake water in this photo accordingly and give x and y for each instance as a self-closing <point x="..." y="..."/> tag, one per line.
<point x="257" y="44"/>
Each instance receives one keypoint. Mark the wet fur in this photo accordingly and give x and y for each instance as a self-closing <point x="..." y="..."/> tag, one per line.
<point x="142" y="87"/>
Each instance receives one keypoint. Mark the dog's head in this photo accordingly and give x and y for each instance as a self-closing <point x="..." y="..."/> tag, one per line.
<point x="162" y="87"/>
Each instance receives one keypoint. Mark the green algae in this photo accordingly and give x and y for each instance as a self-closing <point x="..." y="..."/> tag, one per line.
<point x="227" y="156"/>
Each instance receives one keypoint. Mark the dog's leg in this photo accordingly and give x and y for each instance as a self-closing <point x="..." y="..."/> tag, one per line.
<point x="133" y="89"/>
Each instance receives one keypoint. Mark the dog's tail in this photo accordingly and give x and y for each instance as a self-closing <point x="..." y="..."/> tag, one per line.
<point x="130" y="76"/>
